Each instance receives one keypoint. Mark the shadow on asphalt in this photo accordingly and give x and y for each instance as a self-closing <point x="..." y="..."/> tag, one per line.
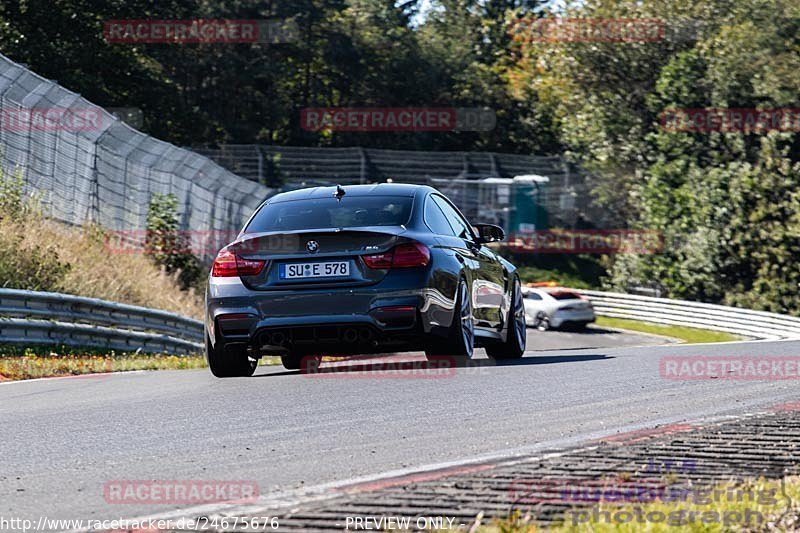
<point x="594" y="330"/>
<point x="416" y="364"/>
<point x="550" y="359"/>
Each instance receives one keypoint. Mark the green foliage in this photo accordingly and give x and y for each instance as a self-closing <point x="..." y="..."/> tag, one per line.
<point x="29" y="267"/>
<point x="166" y="245"/>
<point x="23" y="266"/>
<point x="576" y="271"/>
<point x="12" y="195"/>
<point x="686" y="334"/>
<point x="727" y="203"/>
<point x="349" y="53"/>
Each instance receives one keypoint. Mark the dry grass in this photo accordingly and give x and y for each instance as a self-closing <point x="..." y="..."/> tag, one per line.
<point x="15" y="368"/>
<point x="96" y="271"/>
<point x="39" y="361"/>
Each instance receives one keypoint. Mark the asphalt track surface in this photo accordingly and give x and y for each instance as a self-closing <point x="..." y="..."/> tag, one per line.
<point x="63" y="439"/>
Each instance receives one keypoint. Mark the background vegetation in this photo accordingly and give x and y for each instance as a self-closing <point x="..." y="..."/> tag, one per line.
<point x="44" y="255"/>
<point x="726" y="202"/>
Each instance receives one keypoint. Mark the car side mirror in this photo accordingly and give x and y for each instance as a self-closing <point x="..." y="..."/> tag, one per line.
<point x="489" y="233"/>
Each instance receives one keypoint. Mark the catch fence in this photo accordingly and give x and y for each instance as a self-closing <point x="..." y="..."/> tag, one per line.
<point x="85" y="165"/>
<point x="478" y="182"/>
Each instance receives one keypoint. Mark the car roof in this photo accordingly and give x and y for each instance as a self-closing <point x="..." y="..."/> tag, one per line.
<point x="565" y="295"/>
<point x="372" y="189"/>
<point x="537" y="290"/>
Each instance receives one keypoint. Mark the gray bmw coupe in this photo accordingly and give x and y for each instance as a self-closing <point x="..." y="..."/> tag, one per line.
<point x="357" y="270"/>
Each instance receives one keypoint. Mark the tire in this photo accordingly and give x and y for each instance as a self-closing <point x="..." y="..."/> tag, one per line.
<point x="542" y="322"/>
<point x="516" y="334"/>
<point x="229" y="364"/>
<point x="460" y="342"/>
<point x="305" y="363"/>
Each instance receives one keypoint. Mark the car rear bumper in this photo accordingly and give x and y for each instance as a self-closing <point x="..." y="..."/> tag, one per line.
<point x="352" y="320"/>
<point x="583" y="316"/>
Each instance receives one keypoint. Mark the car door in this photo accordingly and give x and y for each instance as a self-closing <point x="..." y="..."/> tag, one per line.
<point x="447" y="237"/>
<point x="533" y="304"/>
<point x="488" y="282"/>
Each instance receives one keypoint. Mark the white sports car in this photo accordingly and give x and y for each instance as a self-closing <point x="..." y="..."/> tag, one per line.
<point x="556" y="308"/>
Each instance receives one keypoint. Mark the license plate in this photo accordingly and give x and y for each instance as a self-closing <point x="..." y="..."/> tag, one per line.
<point x="315" y="270"/>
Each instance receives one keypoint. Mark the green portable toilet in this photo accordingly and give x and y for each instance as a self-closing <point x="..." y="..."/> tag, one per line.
<point x="528" y="212"/>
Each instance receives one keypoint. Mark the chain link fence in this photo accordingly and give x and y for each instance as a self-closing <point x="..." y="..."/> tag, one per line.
<point x="480" y="183"/>
<point x="85" y="165"/>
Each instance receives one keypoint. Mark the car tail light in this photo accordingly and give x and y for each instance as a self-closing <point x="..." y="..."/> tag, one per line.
<point x="401" y="256"/>
<point x="228" y="264"/>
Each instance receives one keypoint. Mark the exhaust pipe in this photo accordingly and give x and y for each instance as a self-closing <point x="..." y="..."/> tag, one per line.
<point x="278" y="338"/>
<point x="350" y="335"/>
<point x="365" y="335"/>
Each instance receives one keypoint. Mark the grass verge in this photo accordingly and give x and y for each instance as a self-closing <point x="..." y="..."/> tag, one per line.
<point x="41" y="254"/>
<point x="41" y="362"/>
<point x="691" y="335"/>
<point x="45" y="255"/>
<point x="753" y="506"/>
<point x="566" y="275"/>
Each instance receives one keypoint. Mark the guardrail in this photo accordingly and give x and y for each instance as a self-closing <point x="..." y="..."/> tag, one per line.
<point x="32" y="317"/>
<point x="745" y="322"/>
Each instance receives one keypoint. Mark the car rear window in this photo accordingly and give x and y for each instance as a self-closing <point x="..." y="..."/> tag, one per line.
<point x="565" y="295"/>
<point x="316" y="213"/>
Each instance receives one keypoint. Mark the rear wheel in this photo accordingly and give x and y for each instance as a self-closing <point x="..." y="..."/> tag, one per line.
<point x="542" y="322"/>
<point x="460" y="341"/>
<point x="230" y="363"/>
<point x="516" y="334"/>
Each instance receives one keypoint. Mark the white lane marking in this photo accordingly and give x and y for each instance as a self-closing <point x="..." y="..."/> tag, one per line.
<point x="284" y="500"/>
<point x="77" y="376"/>
<point x="739" y="342"/>
<point x="326" y="491"/>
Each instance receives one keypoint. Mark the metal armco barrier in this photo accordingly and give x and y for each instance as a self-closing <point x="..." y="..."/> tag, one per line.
<point x="755" y="324"/>
<point x="30" y="317"/>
